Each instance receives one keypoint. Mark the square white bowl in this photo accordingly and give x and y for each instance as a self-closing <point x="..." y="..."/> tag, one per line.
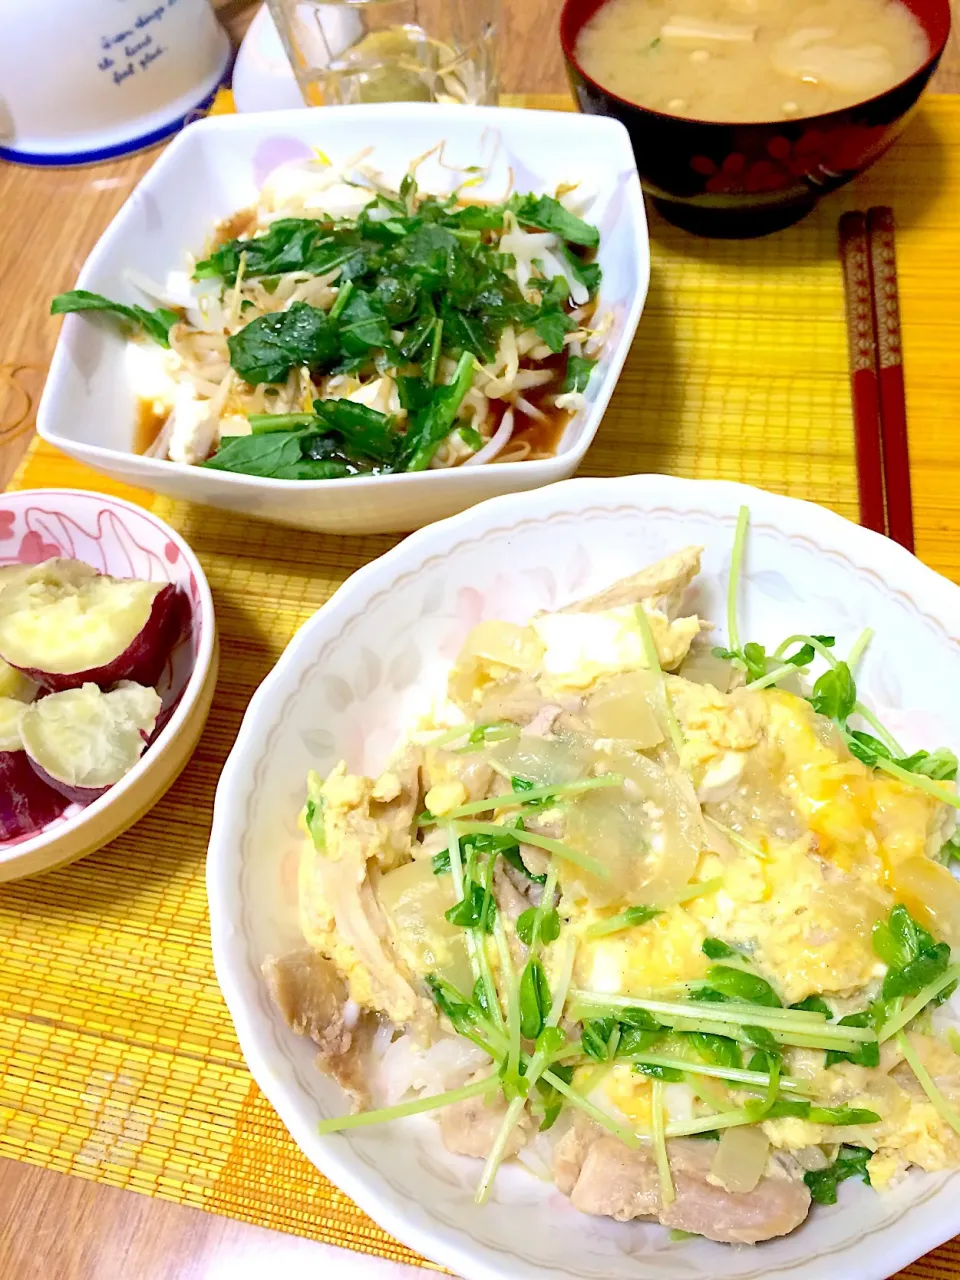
<point x="217" y="166"/>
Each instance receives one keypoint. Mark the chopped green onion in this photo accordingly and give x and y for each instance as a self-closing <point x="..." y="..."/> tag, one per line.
<point x="541" y="842"/>
<point x="337" y="1124"/>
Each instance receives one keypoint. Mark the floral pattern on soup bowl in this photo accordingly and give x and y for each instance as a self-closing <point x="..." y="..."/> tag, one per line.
<point x="360" y="669"/>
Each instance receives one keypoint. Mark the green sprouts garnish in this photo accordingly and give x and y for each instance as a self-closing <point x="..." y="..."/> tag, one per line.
<point x="653" y="663"/>
<point x="629" y="919"/>
<point x="337" y="1124"/>
<point x="519" y="798"/>
<point x="557" y="847"/>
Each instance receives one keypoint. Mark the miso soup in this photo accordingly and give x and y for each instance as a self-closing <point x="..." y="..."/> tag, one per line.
<point x="750" y="60"/>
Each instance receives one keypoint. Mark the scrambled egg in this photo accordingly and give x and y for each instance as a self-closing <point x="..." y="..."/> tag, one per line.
<point x="791" y="852"/>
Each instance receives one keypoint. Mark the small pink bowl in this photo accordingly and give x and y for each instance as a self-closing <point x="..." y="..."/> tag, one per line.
<point x="126" y="541"/>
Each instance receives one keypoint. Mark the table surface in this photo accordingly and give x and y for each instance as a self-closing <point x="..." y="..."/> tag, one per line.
<point x="67" y="1228"/>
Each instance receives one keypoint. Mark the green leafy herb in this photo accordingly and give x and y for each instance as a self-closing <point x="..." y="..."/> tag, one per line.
<point x="431" y="426"/>
<point x="267" y="348"/>
<point x="595" y="1038"/>
<point x="868" y="1053"/>
<point x="579" y="369"/>
<point x="720" y="1050"/>
<point x="814" y="1004"/>
<point x="549" y="215"/>
<point x="851" y="1162"/>
<point x="551" y="1098"/>
<point x="658" y="1072"/>
<point x="912" y="957"/>
<point x="549" y="925"/>
<point x="477" y="909"/>
<point x="714" y="949"/>
<point x="740" y="985"/>
<point x="155" y="324"/>
<point x="441" y="862"/>
<point x="534" y="999"/>
<point x="761" y="1037"/>
<point x="835" y="694"/>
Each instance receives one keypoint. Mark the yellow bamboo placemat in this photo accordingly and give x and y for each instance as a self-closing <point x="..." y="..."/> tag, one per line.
<point x="118" y="1060"/>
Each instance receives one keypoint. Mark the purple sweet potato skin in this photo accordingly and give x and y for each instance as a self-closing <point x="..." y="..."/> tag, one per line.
<point x="143" y="659"/>
<point x="27" y="802"/>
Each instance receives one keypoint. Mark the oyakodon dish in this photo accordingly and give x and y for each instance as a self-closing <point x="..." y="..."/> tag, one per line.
<point x="340" y="328"/>
<point x="619" y="891"/>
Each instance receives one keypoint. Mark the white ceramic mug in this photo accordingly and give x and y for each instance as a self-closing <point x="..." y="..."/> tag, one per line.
<point x="86" y="80"/>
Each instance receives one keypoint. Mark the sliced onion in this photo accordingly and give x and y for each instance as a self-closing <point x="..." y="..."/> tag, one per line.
<point x="491" y="651"/>
<point x="930" y="893"/>
<point x="701" y="666"/>
<point x="648" y="834"/>
<point x="497" y="442"/>
<point x="414" y="900"/>
<point x="741" y="1158"/>
<point x="543" y="760"/>
<point x="623" y="708"/>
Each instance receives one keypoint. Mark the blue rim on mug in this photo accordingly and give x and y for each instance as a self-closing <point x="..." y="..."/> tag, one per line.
<point x="66" y="159"/>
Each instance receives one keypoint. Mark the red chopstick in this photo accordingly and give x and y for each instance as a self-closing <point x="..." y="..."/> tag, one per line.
<point x="864" y="383"/>
<point x="893" y="401"/>
<point x="876" y="373"/>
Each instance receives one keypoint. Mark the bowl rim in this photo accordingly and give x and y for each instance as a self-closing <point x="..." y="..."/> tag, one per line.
<point x="409" y="1221"/>
<point x="91" y="813"/>
<point x="568" y="40"/>
<point x="270" y="122"/>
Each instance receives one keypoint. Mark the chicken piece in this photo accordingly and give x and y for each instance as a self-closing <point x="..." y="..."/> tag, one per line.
<point x="604" y="1177"/>
<point x="515" y="698"/>
<point x="470" y="1127"/>
<point x="660" y="585"/>
<point x="542" y="723"/>
<point x="339" y="912"/>
<point x="313" y="999"/>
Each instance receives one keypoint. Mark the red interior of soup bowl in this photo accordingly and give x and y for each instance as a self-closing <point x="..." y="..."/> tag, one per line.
<point x="933" y="16"/>
<point x="737" y="179"/>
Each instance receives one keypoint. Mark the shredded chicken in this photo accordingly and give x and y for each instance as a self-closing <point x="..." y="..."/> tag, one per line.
<point x="660" y="586"/>
<point x="312" y="997"/>
<point x="339" y="910"/>
<point x="469" y="1128"/>
<point x="602" y="1176"/>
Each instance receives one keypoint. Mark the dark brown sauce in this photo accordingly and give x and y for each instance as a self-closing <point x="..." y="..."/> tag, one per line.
<point x="543" y="436"/>
<point x="147" y="425"/>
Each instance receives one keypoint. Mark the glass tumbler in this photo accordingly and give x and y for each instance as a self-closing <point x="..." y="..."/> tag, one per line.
<point x="346" y="51"/>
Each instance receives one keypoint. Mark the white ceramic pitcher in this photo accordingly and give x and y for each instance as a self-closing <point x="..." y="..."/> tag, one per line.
<point x="86" y="80"/>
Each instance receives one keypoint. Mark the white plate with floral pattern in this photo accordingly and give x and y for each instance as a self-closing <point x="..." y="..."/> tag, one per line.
<point x="346" y="686"/>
